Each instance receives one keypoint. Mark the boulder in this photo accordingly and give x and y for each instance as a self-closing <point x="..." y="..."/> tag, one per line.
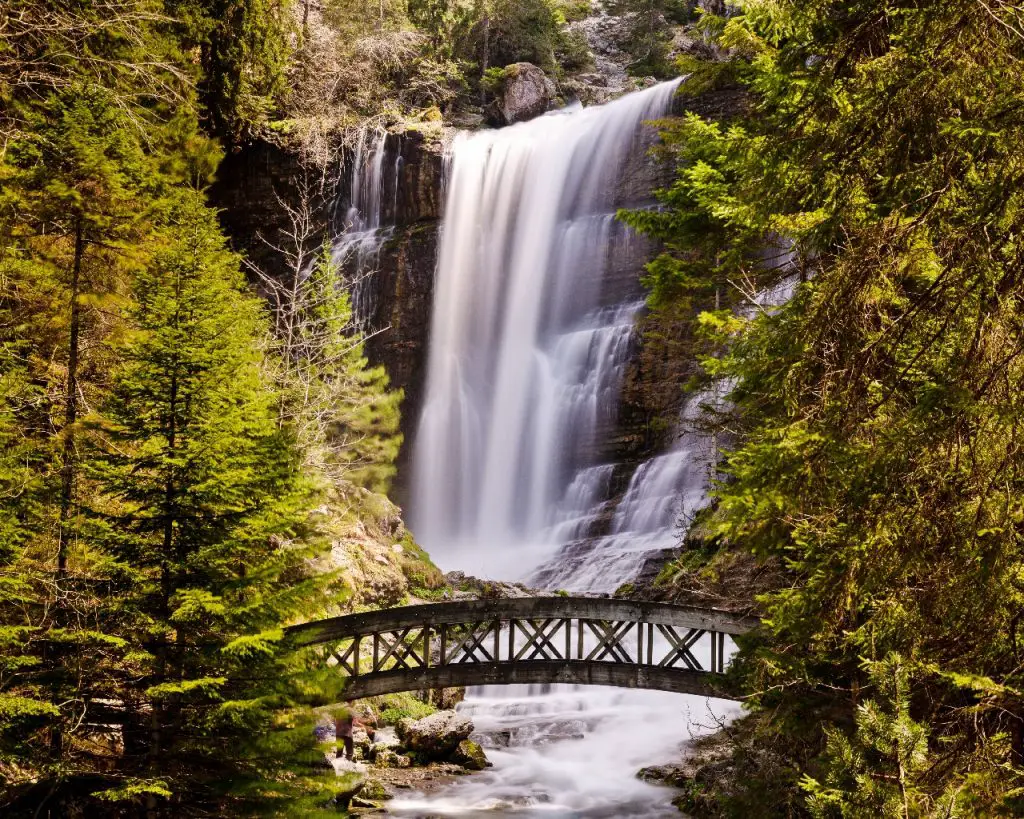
<point x="445" y="699"/>
<point x="384" y="741"/>
<point x="436" y="736"/>
<point x="361" y="802"/>
<point x="470" y="756"/>
<point x="388" y="758"/>
<point x="525" y="93"/>
<point x="677" y="776"/>
<point x="362" y="743"/>
<point x="376" y="791"/>
<point x="348" y="785"/>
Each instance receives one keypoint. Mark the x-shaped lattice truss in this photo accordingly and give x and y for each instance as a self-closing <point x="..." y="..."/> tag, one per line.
<point x="549" y="639"/>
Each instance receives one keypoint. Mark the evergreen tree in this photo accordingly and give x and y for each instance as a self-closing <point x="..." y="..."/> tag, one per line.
<point x="202" y="506"/>
<point x="25" y="707"/>
<point x="873" y="773"/>
<point x="878" y="472"/>
<point x="243" y="50"/>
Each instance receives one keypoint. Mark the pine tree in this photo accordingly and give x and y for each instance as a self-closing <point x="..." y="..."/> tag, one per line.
<point x="25" y="707"/>
<point x="874" y="772"/>
<point x="202" y="505"/>
<point x="243" y="51"/>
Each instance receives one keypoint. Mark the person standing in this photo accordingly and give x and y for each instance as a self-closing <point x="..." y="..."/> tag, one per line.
<point x="344" y="726"/>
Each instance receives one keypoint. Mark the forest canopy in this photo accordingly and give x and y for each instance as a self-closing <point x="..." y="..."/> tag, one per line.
<point x="163" y="478"/>
<point x="879" y="163"/>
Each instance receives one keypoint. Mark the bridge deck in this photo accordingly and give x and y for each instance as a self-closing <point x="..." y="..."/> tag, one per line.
<point x="584" y="640"/>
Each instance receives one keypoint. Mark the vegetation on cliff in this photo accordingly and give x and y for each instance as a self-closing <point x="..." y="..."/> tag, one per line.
<point x="176" y="460"/>
<point x="879" y="411"/>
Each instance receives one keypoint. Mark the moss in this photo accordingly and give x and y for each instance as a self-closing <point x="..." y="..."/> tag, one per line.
<point x="418" y="568"/>
<point x="374" y="791"/>
<point x="394" y="707"/>
<point x="625" y="590"/>
<point x="572" y="10"/>
<point x="493" y="80"/>
<point x="440" y="593"/>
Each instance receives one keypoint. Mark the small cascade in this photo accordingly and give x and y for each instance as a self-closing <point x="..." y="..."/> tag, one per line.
<point x="663" y="493"/>
<point x="359" y="220"/>
<point x="569" y="752"/>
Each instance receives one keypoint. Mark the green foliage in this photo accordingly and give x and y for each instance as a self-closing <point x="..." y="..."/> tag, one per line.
<point x="443" y="21"/>
<point x="395" y="707"/>
<point x="243" y="52"/>
<point x="872" y="774"/>
<point x="155" y="502"/>
<point x="879" y="409"/>
<point x="523" y="31"/>
<point x="199" y="505"/>
<point x="493" y="80"/>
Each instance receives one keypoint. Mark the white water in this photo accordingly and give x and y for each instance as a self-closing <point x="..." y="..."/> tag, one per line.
<point x="527" y="354"/>
<point x="525" y="359"/>
<point x="662" y="496"/>
<point x="361" y="233"/>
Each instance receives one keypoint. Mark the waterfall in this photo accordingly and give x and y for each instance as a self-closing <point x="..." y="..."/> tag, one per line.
<point x="359" y="231"/>
<point x="528" y="343"/>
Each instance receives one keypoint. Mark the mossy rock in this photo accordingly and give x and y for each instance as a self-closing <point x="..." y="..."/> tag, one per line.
<point x="470" y="755"/>
<point x="375" y="791"/>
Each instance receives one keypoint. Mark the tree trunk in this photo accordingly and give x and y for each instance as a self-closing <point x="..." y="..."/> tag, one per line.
<point x="68" y="455"/>
<point x="484" y="63"/>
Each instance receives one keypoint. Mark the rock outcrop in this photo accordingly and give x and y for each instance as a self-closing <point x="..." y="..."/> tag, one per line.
<point x="435" y="737"/>
<point x="526" y="93"/>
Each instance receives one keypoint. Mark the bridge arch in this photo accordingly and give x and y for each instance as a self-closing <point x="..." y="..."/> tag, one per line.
<point x="582" y="640"/>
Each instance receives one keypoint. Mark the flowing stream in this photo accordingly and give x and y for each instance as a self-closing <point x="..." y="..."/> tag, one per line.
<point x="531" y="335"/>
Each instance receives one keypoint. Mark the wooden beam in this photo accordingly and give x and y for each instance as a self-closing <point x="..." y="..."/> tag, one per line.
<point x="575" y="672"/>
<point x="532" y="608"/>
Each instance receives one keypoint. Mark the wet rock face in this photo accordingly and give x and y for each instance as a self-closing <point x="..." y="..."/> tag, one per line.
<point x="419" y="163"/>
<point x="400" y="324"/>
<point x="526" y="93"/>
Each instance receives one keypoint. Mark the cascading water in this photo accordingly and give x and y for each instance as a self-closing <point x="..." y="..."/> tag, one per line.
<point x="528" y="347"/>
<point x="663" y="494"/>
<point x="526" y="354"/>
<point x="360" y="231"/>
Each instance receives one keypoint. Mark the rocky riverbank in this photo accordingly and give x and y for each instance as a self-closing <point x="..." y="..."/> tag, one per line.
<point x="413" y="754"/>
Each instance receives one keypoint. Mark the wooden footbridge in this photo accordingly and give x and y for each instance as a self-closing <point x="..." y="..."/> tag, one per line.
<point x="582" y="640"/>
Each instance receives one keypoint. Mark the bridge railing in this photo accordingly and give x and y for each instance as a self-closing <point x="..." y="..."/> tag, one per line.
<point x="571" y="631"/>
